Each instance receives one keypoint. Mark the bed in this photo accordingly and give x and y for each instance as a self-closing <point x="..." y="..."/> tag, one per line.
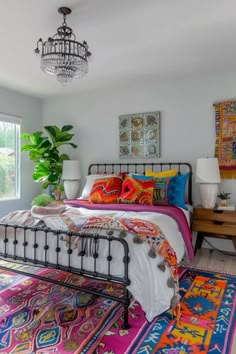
<point x="112" y="242"/>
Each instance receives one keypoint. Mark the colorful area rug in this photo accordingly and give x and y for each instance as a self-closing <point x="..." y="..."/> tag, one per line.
<point x="37" y="317"/>
<point x="207" y="323"/>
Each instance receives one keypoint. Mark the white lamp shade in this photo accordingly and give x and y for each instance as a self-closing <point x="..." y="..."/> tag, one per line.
<point x="207" y="170"/>
<point x="71" y="170"/>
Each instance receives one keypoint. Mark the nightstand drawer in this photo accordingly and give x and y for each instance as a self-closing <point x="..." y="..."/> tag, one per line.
<point x="215" y="215"/>
<point x="213" y="223"/>
<point x="214" y="226"/>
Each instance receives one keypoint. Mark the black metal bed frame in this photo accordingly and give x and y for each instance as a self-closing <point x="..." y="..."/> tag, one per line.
<point x="80" y="270"/>
<point x="123" y="280"/>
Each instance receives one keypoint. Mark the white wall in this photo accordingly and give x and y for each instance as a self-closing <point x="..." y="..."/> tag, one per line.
<point x="29" y="109"/>
<point x="187" y="119"/>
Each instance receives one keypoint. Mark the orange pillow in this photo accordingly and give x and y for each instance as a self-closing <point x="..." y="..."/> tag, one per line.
<point x="137" y="191"/>
<point x="106" y="190"/>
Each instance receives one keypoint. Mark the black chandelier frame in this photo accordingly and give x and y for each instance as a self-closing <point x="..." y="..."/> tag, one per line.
<point x="62" y="54"/>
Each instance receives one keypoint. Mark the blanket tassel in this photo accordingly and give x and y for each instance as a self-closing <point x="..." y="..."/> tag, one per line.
<point x="176" y="312"/>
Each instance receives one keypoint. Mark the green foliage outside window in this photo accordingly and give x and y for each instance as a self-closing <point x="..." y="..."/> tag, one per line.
<point x="7" y="160"/>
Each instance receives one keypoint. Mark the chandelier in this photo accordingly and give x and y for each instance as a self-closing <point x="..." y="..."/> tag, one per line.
<point x="61" y="55"/>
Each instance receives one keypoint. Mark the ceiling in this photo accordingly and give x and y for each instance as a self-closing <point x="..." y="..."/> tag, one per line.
<point x="129" y="40"/>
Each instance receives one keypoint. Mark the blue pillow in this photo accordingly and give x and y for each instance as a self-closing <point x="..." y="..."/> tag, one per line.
<point x="141" y="177"/>
<point x="176" y="190"/>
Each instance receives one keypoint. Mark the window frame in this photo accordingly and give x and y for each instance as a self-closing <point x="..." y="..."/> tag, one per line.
<point x="16" y="120"/>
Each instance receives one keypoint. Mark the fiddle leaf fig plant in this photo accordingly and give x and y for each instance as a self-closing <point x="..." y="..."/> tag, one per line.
<point x="44" y="151"/>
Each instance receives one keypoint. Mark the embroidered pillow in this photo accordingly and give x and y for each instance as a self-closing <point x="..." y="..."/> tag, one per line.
<point x="167" y="173"/>
<point x="160" y="193"/>
<point x="90" y="179"/>
<point x="106" y="190"/>
<point x="141" y="177"/>
<point x="137" y="191"/>
<point x="176" y="190"/>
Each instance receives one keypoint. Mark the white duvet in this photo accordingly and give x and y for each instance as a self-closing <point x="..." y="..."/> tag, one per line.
<point x="148" y="283"/>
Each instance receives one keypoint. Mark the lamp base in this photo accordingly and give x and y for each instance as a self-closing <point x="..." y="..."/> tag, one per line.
<point x="71" y="188"/>
<point x="208" y="195"/>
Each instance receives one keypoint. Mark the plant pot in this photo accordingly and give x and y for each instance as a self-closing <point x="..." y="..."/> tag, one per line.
<point x="223" y="202"/>
<point x="57" y="194"/>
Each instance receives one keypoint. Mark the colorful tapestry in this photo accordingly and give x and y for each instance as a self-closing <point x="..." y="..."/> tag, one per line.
<point x="225" y="146"/>
<point x="207" y="323"/>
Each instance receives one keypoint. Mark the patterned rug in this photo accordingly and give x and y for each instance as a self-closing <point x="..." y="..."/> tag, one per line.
<point x="37" y="317"/>
<point x="207" y="323"/>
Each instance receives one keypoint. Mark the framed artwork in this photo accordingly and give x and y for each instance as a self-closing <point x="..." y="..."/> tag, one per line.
<point x="139" y="135"/>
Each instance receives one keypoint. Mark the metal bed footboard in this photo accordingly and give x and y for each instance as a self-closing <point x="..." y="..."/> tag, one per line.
<point x="38" y="250"/>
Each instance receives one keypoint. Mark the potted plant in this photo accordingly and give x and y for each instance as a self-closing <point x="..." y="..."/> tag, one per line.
<point x="44" y="151"/>
<point x="58" y="189"/>
<point x="42" y="200"/>
<point x="224" y="196"/>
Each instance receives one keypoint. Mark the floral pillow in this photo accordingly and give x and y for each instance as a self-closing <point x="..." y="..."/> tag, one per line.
<point x="137" y="191"/>
<point x="160" y="193"/>
<point x="106" y="190"/>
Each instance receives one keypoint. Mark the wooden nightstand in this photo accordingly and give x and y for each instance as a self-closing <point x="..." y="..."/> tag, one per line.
<point x="214" y="223"/>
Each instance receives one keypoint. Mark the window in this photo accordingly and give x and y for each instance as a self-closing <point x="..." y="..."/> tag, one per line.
<point x="9" y="157"/>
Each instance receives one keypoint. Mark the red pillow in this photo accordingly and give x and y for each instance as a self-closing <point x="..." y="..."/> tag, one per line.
<point x="137" y="191"/>
<point x="106" y="190"/>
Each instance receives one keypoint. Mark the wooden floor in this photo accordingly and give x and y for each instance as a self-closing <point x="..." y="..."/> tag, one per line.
<point x="216" y="260"/>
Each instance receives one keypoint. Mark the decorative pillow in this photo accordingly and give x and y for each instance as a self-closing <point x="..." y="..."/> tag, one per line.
<point x="160" y="193"/>
<point x="90" y="179"/>
<point x="167" y="173"/>
<point x="141" y="177"/>
<point x="176" y="190"/>
<point x="106" y="190"/>
<point x="137" y="191"/>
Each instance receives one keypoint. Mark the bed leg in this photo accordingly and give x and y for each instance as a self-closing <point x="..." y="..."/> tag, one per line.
<point x="126" y="324"/>
<point x="126" y="310"/>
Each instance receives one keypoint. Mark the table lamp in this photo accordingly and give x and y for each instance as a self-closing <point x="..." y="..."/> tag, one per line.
<point x="71" y="177"/>
<point x="208" y="175"/>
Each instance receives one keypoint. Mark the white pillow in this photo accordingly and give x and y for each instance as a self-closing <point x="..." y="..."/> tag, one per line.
<point x="90" y="179"/>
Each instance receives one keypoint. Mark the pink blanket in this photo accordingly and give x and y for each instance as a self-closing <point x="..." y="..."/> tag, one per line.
<point x="172" y="211"/>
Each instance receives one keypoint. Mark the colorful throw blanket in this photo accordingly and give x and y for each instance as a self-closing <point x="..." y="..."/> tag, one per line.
<point x="225" y="146"/>
<point x="172" y="211"/>
<point x="142" y="231"/>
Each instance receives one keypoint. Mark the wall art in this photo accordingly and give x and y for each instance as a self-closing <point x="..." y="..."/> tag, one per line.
<point x="225" y="145"/>
<point x="139" y="135"/>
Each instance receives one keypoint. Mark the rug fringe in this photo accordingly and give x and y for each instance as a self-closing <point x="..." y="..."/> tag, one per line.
<point x="195" y="267"/>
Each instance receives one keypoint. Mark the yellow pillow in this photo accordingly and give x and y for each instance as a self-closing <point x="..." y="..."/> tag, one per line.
<point x="167" y="173"/>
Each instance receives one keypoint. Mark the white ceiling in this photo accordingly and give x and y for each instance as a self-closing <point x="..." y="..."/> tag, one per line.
<point x="129" y="39"/>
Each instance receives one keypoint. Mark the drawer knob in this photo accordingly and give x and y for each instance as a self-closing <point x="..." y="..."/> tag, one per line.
<point x="218" y="222"/>
<point x="218" y="211"/>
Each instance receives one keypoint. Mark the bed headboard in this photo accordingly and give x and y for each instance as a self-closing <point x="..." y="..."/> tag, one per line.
<point x="181" y="167"/>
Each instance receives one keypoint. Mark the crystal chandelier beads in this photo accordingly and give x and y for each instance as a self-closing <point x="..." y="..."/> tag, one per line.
<point x="61" y="55"/>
